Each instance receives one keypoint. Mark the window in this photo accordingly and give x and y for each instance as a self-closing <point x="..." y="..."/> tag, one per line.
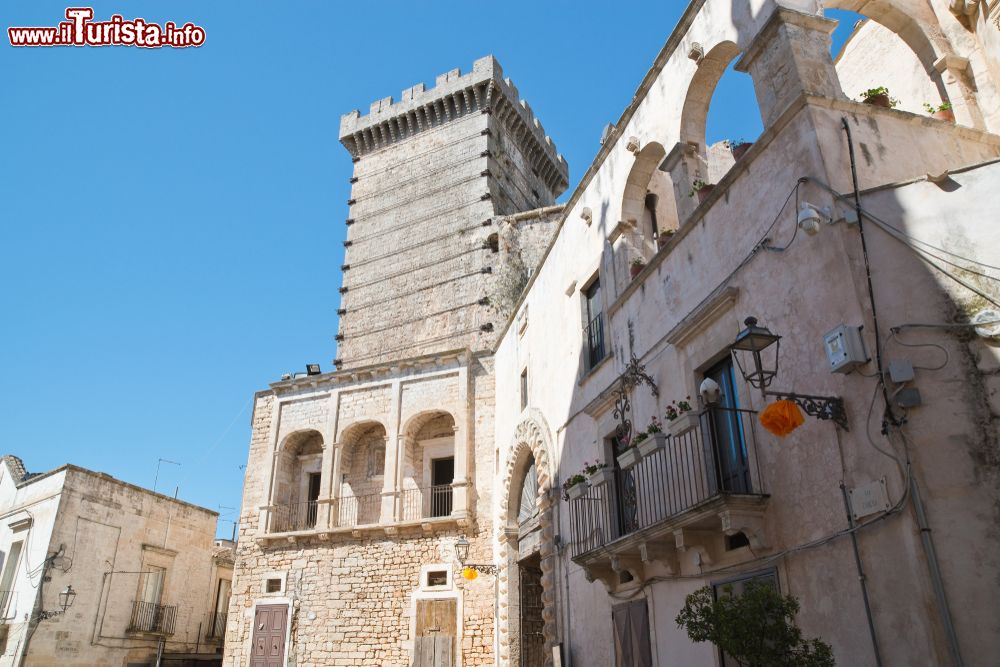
<point x="442" y="475"/>
<point x="528" y="507"/>
<point x="649" y="216"/>
<point x="524" y="388"/>
<point x="7" y="581"/>
<point x="272" y="586"/>
<point x="376" y="460"/>
<point x="151" y="584"/>
<point x="631" y="626"/>
<point x="732" y="463"/>
<point x="595" y="323"/>
<point x="437" y="578"/>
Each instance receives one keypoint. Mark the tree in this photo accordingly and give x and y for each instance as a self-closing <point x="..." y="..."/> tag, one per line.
<point x="755" y="628"/>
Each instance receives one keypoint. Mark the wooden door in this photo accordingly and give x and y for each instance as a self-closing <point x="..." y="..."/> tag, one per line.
<point x="631" y="632"/>
<point x="434" y="644"/>
<point x="269" y="636"/>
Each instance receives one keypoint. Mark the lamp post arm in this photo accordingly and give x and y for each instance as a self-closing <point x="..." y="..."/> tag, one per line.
<point x="820" y="407"/>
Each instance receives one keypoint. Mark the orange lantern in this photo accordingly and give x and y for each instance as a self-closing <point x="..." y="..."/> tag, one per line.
<point x="781" y="417"/>
<point x="469" y="573"/>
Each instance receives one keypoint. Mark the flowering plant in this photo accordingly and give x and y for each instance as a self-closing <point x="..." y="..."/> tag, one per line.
<point x="654" y="427"/>
<point x="638" y="262"/>
<point x="591" y="468"/>
<point x="677" y="408"/>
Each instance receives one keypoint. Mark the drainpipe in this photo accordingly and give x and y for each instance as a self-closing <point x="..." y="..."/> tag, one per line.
<point x="930" y="554"/>
<point x="862" y="579"/>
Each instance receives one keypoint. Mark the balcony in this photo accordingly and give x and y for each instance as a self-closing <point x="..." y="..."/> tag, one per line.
<point x="423" y="508"/>
<point x="295" y="517"/>
<point x="687" y="495"/>
<point x="216" y="627"/>
<point x="152" y="618"/>
<point x="430" y="502"/>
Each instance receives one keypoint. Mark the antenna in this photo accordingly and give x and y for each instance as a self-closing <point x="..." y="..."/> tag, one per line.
<point x="158" y="463"/>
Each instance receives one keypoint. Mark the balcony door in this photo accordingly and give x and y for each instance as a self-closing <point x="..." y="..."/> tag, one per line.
<point x="442" y="475"/>
<point x="312" y="506"/>
<point x="732" y="468"/>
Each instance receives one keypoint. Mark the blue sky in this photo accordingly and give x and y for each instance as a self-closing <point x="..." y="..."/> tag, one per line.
<point x="171" y="220"/>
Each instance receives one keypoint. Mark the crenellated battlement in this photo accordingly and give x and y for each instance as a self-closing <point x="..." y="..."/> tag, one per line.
<point x="454" y="95"/>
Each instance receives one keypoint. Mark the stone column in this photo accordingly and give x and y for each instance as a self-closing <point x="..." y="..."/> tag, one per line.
<point x="333" y="507"/>
<point x="394" y="443"/>
<point x="684" y="166"/>
<point x="790" y="56"/>
<point x="954" y="71"/>
<point x="463" y="446"/>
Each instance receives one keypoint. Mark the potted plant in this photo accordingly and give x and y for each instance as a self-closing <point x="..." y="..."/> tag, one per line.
<point x="664" y="236"/>
<point x="739" y="147"/>
<point x="879" y="97"/>
<point x="655" y="438"/>
<point x="599" y="473"/>
<point x="575" y="487"/>
<point x="702" y="189"/>
<point x="635" y="266"/>
<point x="943" y="112"/>
<point x="680" y="417"/>
<point x="631" y="455"/>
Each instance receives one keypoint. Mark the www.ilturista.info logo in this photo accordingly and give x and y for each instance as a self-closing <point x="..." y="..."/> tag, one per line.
<point x="80" y="30"/>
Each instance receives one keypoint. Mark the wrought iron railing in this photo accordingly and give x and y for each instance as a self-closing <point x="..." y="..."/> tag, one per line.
<point x="595" y="341"/>
<point x="152" y="618"/>
<point x="710" y="460"/>
<point x="360" y="510"/>
<point x="216" y="626"/>
<point x="426" y="502"/>
<point x="295" y="516"/>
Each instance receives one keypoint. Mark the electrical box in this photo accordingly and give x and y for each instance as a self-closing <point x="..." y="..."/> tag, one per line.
<point x="845" y="350"/>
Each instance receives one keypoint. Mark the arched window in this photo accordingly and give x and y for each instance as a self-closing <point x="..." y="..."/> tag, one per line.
<point x="528" y="507"/>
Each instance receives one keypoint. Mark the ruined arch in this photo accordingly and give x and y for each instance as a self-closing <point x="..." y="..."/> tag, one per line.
<point x="531" y="443"/>
<point x="694" y="114"/>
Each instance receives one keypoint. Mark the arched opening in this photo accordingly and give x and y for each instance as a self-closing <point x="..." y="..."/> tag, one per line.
<point x="427" y="466"/>
<point x="719" y="122"/>
<point x="648" y="211"/>
<point x="526" y="564"/>
<point x="362" y="468"/>
<point x="297" y="482"/>
<point x="897" y="42"/>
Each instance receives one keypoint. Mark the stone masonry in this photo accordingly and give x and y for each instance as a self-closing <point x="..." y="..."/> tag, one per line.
<point x="452" y="208"/>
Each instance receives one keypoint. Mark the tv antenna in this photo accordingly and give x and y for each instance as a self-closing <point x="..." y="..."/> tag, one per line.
<point x="157" y="478"/>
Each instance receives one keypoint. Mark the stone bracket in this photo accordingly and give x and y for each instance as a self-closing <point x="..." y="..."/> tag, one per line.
<point x="749" y="523"/>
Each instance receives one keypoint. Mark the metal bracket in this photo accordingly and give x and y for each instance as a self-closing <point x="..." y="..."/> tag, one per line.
<point x="820" y="407"/>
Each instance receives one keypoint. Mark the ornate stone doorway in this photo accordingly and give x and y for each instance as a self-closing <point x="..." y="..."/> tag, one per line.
<point x="527" y="612"/>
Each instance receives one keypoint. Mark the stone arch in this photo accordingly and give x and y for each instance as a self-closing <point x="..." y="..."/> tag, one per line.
<point x="298" y="457"/>
<point x="694" y="114"/>
<point x="531" y="441"/>
<point x="427" y="441"/>
<point x="358" y="486"/>
<point x="921" y="34"/>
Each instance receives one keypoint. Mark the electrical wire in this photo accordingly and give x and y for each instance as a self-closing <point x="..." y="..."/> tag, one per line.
<point x="894" y="337"/>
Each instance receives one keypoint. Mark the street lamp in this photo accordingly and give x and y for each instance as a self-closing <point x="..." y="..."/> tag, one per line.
<point x="470" y="570"/>
<point x="66" y="599"/>
<point x="752" y="342"/>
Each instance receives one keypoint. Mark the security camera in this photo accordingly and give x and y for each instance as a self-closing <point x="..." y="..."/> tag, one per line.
<point x="709" y="390"/>
<point x="810" y="216"/>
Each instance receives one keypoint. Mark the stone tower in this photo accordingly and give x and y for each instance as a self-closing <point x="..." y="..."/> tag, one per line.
<point x="432" y="175"/>
<point x="361" y="482"/>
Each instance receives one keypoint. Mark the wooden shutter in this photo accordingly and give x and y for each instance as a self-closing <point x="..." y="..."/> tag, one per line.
<point x="631" y="632"/>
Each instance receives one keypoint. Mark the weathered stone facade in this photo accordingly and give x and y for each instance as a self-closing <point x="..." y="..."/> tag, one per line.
<point x="105" y="538"/>
<point x="360" y="482"/>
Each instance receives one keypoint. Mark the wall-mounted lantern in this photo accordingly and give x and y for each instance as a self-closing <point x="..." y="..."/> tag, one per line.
<point x="66" y="598"/>
<point x="470" y="571"/>
<point x="761" y="347"/>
